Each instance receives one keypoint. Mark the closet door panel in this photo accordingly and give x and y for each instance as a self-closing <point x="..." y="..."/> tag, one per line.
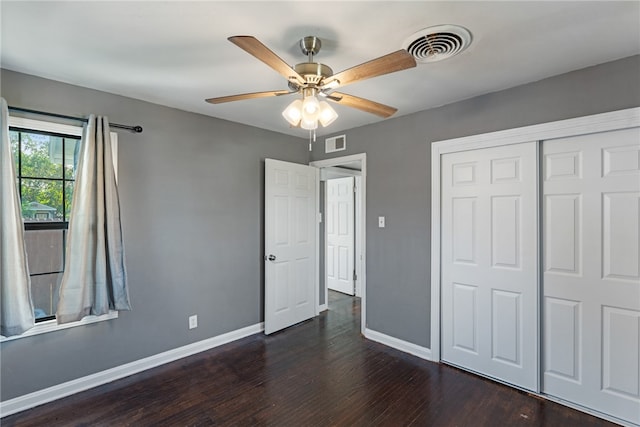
<point x="489" y="263"/>
<point x="591" y="234"/>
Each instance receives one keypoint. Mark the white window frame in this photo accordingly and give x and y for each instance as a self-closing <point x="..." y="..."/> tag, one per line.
<point x="44" y="126"/>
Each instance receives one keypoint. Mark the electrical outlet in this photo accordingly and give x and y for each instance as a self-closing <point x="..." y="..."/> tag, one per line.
<point x="193" y="321"/>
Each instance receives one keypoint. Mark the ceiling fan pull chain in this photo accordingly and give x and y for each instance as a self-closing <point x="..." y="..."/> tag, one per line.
<point x="312" y="138"/>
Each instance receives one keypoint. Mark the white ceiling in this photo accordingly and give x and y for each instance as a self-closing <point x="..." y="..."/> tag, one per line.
<point x="177" y="54"/>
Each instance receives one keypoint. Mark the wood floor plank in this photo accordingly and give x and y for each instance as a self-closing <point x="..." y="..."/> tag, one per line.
<point x="319" y="373"/>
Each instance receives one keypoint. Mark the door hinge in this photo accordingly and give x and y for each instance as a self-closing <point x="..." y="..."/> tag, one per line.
<point x="355" y="277"/>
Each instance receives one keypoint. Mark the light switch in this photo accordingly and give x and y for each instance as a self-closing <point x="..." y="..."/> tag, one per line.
<point x="380" y="222"/>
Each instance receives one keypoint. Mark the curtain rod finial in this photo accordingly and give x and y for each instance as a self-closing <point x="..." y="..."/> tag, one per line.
<point x="137" y="129"/>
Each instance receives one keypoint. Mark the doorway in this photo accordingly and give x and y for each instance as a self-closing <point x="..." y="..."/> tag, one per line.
<point x="353" y="166"/>
<point x="342" y="249"/>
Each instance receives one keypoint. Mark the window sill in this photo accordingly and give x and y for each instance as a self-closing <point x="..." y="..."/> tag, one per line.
<point x="52" y="325"/>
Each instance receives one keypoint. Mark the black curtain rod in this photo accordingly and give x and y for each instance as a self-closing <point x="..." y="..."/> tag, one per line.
<point x="136" y="129"/>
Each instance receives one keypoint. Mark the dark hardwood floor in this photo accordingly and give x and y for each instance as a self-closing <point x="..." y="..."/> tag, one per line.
<point x="320" y="372"/>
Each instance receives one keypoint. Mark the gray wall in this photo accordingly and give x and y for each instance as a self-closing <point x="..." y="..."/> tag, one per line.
<point x="399" y="184"/>
<point x="192" y="198"/>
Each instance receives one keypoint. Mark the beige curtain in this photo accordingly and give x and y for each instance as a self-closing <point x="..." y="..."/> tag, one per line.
<point x="94" y="279"/>
<point x="16" y="307"/>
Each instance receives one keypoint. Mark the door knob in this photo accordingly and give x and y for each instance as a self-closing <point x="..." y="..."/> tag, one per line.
<point x="272" y="258"/>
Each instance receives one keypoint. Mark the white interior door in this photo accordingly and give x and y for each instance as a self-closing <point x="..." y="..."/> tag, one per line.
<point x="591" y="229"/>
<point x="489" y="262"/>
<point x="290" y="244"/>
<point x="340" y="235"/>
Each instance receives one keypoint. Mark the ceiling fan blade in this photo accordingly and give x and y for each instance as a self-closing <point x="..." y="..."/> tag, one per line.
<point x="254" y="47"/>
<point x="362" y="104"/>
<point x="396" y="61"/>
<point x="242" y="96"/>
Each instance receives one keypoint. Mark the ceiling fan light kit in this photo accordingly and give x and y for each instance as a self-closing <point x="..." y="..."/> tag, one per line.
<point x="310" y="111"/>
<point x="293" y="113"/>
<point x="316" y="82"/>
<point x="327" y="114"/>
<point x="310" y="104"/>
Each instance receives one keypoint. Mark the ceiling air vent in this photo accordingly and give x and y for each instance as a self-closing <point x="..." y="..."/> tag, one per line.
<point x="437" y="43"/>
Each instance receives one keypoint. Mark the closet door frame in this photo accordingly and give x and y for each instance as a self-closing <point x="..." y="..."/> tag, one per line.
<point x="603" y="122"/>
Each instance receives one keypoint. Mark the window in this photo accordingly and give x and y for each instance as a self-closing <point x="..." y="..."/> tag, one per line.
<point x="45" y="156"/>
<point x="45" y="172"/>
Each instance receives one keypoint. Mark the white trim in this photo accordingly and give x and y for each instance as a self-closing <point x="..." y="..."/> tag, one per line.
<point x="578" y="126"/>
<point x="358" y="243"/>
<point x="323" y="307"/>
<point x="317" y="245"/>
<point x="45" y="126"/>
<point x="52" y="326"/>
<point x="336" y="161"/>
<point x="68" y="388"/>
<point x="337" y="172"/>
<point x="538" y="270"/>
<point x="324" y="248"/>
<point x="398" y="344"/>
<point x="435" y="254"/>
<point x="603" y="122"/>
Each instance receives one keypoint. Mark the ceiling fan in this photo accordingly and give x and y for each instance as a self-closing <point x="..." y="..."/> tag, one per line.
<point x="315" y="80"/>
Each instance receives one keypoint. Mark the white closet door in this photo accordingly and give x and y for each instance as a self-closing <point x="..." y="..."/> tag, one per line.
<point x="591" y="231"/>
<point x="489" y="262"/>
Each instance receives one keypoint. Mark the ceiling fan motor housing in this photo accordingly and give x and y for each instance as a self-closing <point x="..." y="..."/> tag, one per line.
<point x="313" y="72"/>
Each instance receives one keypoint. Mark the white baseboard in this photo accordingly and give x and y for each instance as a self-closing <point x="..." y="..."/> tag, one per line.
<point x="68" y="388"/>
<point x="398" y="344"/>
<point x="323" y="307"/>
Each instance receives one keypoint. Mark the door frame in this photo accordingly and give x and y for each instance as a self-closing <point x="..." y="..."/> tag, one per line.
<point x="358" y="248"/>
<point x="361" y="226"/>
<point x="602" y="122"/>
<point x="359" y="232"/>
